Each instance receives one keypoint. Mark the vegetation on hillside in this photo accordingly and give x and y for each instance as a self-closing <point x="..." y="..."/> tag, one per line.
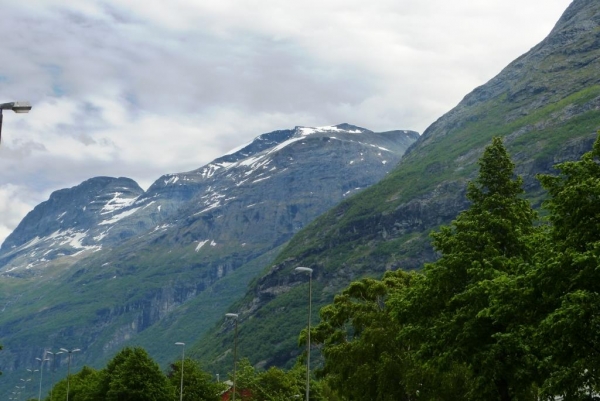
<point x="510" y="311"/>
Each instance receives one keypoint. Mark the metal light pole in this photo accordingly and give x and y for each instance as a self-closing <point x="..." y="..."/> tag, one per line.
<point x="20" y="390"/>
<point x="32" y="371"/>
<point x="69" y="366"/>
<point x="234" y="316"/>
<point x="182" y="360"/>
<point x="17" y="107"/>
<point x="309" y="271"/>
<point x="52" y="369"/>
<point x="41" y="373"/>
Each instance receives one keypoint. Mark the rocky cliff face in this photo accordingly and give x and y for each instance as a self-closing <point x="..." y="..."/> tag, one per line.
<point x="276" y="169"/>
<point x="106" y="264"/>
<point x="71" y="221"/>
<point x="546" y="106"/>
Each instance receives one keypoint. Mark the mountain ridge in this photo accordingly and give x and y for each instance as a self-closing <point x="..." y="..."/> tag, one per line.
<point x="546" y="106"/>
<point x="170" y="259"/>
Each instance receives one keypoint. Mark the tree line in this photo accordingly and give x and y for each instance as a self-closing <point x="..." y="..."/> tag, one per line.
<point x="509" y="311"/>
<point x="132" y="375"/>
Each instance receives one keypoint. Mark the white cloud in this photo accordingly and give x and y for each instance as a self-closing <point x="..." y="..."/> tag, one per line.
<point x="144" y="88"/>
<point x="15" y="203"/>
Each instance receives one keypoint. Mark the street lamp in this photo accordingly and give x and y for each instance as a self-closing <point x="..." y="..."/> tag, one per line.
<point x="234" y="316"/>
<point x="31" y="380"/>
<point x="309" y="271"/>
<point x="41" y="373"/>
<point x="20" y="389"/>
<point x="17" y="107"/>
<point x="51" y="369"/>
<point x="69" y="366"/>
<point x="182" y="359"/>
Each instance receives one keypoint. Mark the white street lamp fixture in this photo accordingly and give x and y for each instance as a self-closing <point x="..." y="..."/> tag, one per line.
<point x="69" y="366"/>
<point x="182" y="360"/>
<point x="52" y="369"/>
<point x="41" y="373"/>
<point x="234" y="316"/>
<point x="17" y="107"/>
<point x="309" y="271"/>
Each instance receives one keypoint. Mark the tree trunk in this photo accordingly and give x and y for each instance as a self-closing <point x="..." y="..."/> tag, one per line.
<point x="503" y="390"/>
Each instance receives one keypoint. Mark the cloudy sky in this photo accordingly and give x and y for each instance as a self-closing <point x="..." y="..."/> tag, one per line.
<point x="141" y="88"/>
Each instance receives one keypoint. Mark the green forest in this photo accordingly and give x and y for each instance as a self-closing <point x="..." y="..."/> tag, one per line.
<point x="509" y="311"/>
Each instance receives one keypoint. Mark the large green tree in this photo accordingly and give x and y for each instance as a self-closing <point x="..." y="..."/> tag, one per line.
<point x="133" y="376"/>
<point x="197" y="384"/>
<point x="274" y="384"/>
<point x="452" y="315"/>
<point x="82" y="386"/>
<point x="566" y="283"/>
<point x="363" y="357"/>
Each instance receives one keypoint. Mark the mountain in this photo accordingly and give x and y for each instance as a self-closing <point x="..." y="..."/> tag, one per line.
<point x="546" y="107"/>
<point x="103" y="211"/>
<point x="105" y="264"/>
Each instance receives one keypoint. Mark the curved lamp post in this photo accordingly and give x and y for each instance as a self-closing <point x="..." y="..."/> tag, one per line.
<point x="20" y="390"/>
<point x="69" y="366"/>
<point x="51" y="369"/>
<point x="17" y="107"/>
<point x="234" y="316"/>
<point x="41" y="373"/>
<point x="32" y="371"/>
<point x="182" y="359"/>
<point x="309" y="271"/>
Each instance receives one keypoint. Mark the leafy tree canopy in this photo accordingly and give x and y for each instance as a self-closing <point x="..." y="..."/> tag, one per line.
<point x="197" y="384"/>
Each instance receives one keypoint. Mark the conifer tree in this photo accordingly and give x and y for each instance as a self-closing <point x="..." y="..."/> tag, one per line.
<point x="567" y="279"/>
<point x="450" y="316"/>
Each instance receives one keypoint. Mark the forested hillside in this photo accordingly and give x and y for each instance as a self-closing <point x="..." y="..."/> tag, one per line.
<point x="546" y="108"/>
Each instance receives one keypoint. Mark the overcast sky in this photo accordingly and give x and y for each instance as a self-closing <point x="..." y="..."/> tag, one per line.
<point x="141" y="88"/>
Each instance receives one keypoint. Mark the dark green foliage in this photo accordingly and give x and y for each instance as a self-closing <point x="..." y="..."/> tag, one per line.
<point x="82" y="386"/>
<point x="451" y="312"/>
<point x="197" y="384"/>
<point x="510" y="311"/>
<point x="136" y="377"/>
<point x="131" y="375"/>
<point x="274" y="384"/>
<point x="364" y="358"/>
<point x="567" y="279"/>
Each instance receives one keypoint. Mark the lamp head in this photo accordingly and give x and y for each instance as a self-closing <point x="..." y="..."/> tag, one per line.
<point x="233" y="315"/>
<point x="17" y="107"/>
<point x="303" y="269"/>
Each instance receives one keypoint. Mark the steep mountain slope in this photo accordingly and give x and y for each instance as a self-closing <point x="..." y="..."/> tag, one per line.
<point x="546" y="106"/>
<point x="104" y="264"/>
<point x="61" y="225"/>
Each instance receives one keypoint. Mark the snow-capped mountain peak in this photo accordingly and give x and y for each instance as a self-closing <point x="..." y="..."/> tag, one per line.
<point x="103" y="212"/>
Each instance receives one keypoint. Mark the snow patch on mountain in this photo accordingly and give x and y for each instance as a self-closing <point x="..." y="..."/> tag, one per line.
<point x="201" y="244"/>
<point x="119" y="216"/>
<point x="116" y="203"/>
<point x="305" y="131"/>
